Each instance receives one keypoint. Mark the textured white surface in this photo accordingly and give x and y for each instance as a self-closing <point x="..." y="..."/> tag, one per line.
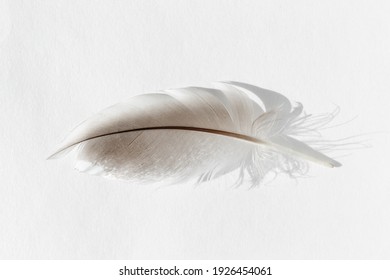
<point x="61" y="61"/>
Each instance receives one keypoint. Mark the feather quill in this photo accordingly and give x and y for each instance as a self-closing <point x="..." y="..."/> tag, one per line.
<point x="194" y="132"/>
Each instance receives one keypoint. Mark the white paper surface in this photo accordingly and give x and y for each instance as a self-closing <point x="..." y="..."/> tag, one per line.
<point x="61" y="61"/>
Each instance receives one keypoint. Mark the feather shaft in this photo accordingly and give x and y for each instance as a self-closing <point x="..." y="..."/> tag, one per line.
<point x="199" y="129"/>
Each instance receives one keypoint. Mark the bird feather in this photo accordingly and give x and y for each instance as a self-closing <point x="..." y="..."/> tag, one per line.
<point x="195" y="132"/>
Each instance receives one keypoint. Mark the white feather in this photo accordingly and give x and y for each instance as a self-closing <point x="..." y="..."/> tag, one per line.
<point x="194" y="132"/>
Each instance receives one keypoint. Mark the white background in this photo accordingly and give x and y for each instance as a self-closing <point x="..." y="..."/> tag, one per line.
<point x="61" y="61"/>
